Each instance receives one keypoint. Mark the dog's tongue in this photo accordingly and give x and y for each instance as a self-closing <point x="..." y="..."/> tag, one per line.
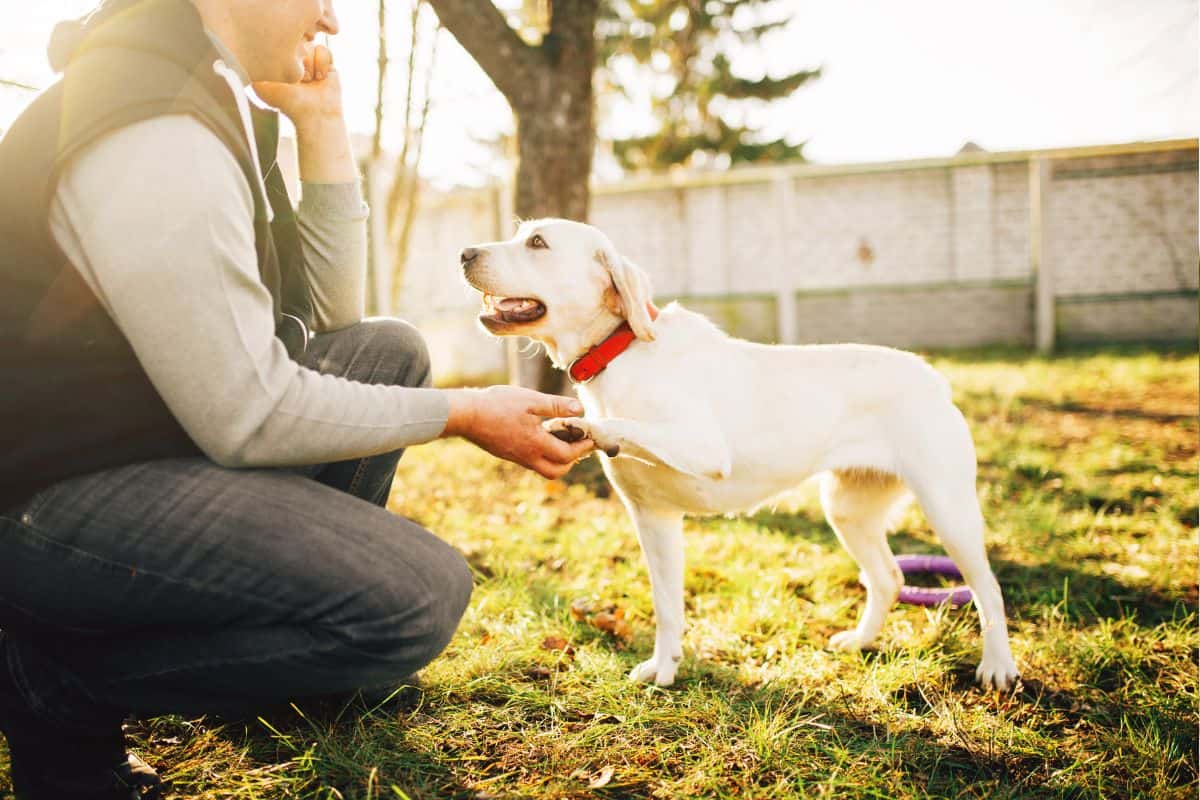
<point x="516" y="305"/>
<point x="519" y="309"/>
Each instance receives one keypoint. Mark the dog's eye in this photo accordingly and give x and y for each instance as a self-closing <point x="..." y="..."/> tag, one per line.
<point x="537" y="242"/>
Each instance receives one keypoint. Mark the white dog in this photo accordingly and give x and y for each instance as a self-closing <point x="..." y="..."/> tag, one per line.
<point x="704" y="423"/>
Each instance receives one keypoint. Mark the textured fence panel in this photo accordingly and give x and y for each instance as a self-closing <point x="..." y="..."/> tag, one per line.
<point x="933" y="253"/>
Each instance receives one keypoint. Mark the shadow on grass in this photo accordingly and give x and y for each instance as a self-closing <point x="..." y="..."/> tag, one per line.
<point x="1064" y="353"/>
<point x="321" y="748"/>
<point x="954" y="768"/>
<point x="1106" y="411"/>
<point x="1026" y="586"/>
<point x="927" y="764"/>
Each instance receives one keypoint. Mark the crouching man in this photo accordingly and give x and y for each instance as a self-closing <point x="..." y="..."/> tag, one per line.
<point x="199" y="427"/>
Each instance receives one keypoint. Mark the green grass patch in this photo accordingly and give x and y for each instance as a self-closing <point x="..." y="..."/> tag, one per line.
<point x="1088" y="481"/>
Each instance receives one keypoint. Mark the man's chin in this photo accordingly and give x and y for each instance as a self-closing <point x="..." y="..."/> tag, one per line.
<point x="290" y="74"/>
<point x="294" y="72"/>
<point x="289" y="71"/>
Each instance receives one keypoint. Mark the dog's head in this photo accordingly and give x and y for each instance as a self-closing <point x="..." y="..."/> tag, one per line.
<point x="557" y="280"/>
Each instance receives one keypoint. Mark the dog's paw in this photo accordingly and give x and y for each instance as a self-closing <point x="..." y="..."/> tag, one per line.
<point x="657" y="670"/>
<point x="998" y="673"/>
<point x="574" y="429"/>
<point x="568" y="429"/>
<point x="849" y="641"/>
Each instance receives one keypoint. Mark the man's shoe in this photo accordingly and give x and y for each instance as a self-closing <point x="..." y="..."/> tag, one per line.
<point x="131" y="780"/>
<point x="48" y="762"/>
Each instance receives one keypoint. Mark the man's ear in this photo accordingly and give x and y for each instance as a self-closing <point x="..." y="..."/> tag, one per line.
<point x="633" y="291"/>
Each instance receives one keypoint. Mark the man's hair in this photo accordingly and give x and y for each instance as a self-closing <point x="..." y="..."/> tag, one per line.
<point x="68" y="34"/>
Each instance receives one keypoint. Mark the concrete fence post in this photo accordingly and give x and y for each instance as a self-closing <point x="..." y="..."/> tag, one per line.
<point x="1042" y="269"/>
<point x="785" y="291"/>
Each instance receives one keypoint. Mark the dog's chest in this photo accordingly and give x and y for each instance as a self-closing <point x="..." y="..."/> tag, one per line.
<point x="659" y="486"/>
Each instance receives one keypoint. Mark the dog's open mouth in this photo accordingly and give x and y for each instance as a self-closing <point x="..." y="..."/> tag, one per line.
<point x="511" y="309"/>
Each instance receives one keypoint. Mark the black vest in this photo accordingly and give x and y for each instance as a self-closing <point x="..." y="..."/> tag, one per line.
<point x="73" y="396"/>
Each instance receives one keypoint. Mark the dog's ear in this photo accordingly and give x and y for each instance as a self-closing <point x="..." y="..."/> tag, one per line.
<point x="633" y="291"/>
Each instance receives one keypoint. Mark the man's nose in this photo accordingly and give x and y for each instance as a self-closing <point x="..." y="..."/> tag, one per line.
<point x="329" y="21"/>
<point x="468" y="255"/>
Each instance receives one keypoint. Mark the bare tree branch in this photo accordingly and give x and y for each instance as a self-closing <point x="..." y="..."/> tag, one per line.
<point x="377" y="139"/>
<point x="483" y="32"/>
<point x="18" y="85"/>
<point x="412" y="175"/>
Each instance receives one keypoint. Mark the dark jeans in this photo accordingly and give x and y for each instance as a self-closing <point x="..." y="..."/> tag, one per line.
<point x="179" y="586"/>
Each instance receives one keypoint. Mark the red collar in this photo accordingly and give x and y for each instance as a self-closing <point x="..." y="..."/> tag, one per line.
<point x="595" y="360"/>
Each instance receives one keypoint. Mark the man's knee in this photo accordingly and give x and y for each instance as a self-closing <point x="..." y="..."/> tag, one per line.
<point x="401" y="631"/>
<point x="454" y="583"/>
<point x="458" y="583"/>
<point x="401" y="344"/>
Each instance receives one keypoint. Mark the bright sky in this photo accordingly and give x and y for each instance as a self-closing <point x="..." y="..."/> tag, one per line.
<point x="901" y="79"/>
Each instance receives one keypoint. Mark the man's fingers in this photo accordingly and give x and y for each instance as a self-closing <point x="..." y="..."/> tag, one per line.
<point x="322" y="61"/>
<point x="549" y="470"/>
<point x="556" y="451"/>
<point x="582" y="448"/>
<point x="318" y="60"/>
<point x="563" y="453"/>
<point x="553" y="405"/>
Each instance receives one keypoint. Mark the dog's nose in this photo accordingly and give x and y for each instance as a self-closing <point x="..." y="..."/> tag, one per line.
<point x="468" y="255"/>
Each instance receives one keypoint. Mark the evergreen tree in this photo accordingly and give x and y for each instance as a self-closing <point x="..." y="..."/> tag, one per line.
<point x="699" y="105"/>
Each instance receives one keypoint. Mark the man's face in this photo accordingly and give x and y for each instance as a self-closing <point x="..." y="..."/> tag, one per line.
<point x="272" y="35"/>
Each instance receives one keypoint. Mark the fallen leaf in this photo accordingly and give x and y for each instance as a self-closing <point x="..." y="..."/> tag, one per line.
<point x="602" y="779"/>
<point x="607" y="617"/>
<point x="580" y="608"/>
<point x="538" y="673"/>
<point x="603" y="719"/>
<point x="613" y="623"/>
<point x="558" y="643"/>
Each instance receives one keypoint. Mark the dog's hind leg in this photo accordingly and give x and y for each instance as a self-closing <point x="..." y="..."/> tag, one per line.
<point x="940" y="470"/>
<point x="860" y="505"/>
<point x="661" y="535"/>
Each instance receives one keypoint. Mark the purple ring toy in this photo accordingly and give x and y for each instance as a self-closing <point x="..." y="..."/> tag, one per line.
<point x="937" y="565"/>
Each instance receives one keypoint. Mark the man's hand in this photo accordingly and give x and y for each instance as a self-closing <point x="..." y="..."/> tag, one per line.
<point x="314" y="105"/>
<point x="317" y="95"/>
<point x="506" y="421"/>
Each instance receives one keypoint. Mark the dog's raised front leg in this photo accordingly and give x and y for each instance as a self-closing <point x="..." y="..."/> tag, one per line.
<point x="694" y="446"/>
<point x="661" y="535"/>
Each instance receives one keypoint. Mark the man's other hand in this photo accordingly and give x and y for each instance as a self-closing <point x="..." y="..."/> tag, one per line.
<point x="506" y="421"/>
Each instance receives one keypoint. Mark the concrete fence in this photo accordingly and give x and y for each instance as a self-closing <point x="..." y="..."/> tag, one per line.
<point x="1029" y="248"/>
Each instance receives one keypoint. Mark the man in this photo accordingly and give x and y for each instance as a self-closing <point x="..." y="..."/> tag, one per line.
<point x="192" y="487"/>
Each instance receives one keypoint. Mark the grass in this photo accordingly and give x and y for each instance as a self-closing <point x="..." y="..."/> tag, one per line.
<point x="1088" y="481"/>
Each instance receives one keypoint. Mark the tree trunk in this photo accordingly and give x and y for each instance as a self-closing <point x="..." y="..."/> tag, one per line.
<point x="549" y="87"/>
<point x="555" y="126"/>
<point x="377" y="261"/>
<point x="556" y="137"/>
